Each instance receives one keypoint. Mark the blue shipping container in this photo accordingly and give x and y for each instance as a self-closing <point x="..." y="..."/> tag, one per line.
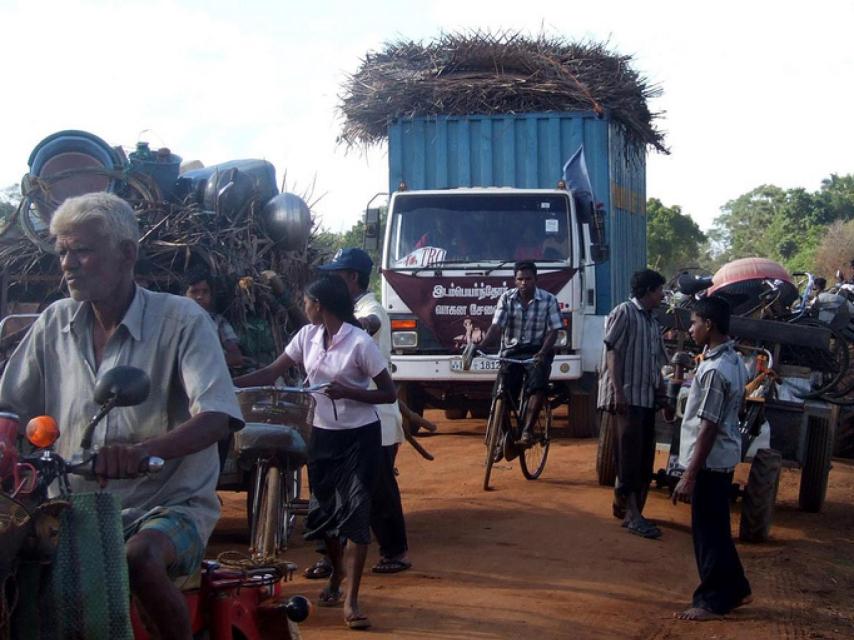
<point x="528" y="151"/>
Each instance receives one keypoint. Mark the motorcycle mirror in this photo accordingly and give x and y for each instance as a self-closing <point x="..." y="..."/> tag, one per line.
<point x="122" y="386"/>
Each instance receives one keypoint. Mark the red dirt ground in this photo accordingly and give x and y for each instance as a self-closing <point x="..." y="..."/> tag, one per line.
<point x="546" y="559"/>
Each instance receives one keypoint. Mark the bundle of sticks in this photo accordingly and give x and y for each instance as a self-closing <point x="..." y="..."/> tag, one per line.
<point x="484" y="73"/>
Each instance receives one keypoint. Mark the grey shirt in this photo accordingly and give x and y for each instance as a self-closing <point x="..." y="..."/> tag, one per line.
<point x="715" y="395"/>
<point x="635" y="334"/>
<point x="169" y="337"/>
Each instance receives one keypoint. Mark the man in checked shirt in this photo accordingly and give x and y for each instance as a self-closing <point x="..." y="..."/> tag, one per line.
<point x="629" y="384"/>
<point x="528" y="319"/>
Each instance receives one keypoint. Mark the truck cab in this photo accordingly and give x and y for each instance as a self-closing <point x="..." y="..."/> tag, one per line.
<point x="448" y="255"/>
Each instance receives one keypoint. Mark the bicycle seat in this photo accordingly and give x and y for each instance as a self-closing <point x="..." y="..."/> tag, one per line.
<point x="257" y="440"/>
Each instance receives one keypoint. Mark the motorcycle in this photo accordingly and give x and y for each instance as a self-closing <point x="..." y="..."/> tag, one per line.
<point x="224" y="601"/>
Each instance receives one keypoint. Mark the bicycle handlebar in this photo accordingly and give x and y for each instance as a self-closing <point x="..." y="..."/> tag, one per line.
<point x="316" y="388"/>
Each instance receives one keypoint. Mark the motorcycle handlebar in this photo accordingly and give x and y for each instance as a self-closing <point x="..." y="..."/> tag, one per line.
<point x="151" y="465"/>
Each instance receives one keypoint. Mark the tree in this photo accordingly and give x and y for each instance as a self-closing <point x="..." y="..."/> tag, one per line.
<point x="673" y="238"/>
<point x="836" y="250"/>
<point x="9" y="199"/>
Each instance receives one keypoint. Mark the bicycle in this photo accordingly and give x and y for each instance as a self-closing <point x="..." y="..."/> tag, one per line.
<point x="506" y="420"/>
<point x="274" y="446"/>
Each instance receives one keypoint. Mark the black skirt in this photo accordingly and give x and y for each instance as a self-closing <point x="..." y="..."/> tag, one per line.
<point x="342" y="471"/>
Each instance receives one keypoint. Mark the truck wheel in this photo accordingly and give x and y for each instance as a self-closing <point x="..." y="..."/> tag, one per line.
<point x="480" y="410"/>
<point x="606" y="454"/>
<point x="760" y="495"/>
<point x="844" y="447"/>
<point x="816" y="465"/>
<point x="455" y="413"/>
<point x="413" y="397"/>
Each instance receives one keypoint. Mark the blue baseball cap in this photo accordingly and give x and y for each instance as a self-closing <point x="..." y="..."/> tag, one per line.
<point x="349" y="259"/>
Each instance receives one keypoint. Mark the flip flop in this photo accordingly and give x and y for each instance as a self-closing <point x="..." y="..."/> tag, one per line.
<point x="644" y="528"/>
<point x="318" y="571"/>
<point x="358" y="622"/>
<point x="330" y="598"/>
<point x="391" y="566"/>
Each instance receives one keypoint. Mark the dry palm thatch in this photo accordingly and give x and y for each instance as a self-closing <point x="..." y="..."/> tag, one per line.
<point x="484" y="73"/>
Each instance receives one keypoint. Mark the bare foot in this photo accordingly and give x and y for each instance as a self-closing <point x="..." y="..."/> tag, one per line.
<point x="744" y="601"/>
<point x="697" y="614"/>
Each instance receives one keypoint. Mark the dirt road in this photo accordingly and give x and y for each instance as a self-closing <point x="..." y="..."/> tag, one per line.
<point x="545" y="559"/>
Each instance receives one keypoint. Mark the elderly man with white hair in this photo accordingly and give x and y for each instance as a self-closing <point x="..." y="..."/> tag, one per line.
<point x="109" y="321"/>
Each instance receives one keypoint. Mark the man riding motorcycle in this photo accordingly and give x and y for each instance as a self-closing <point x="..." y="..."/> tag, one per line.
<point x="109" y="321"/>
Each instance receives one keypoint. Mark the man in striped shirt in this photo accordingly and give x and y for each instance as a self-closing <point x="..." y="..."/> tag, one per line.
<point x="629" y="384"/>
<point x="528" y="319"/>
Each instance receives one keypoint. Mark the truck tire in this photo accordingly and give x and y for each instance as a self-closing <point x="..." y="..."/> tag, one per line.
<point x="844" y="446"/>
<point x="606" y="454"/>
<point x="480" y="410"/>
<point x="816" y="465"/>
<point x="455" y="413"/>
<point x="760" y="496"/>
<point x="413" y="397"/>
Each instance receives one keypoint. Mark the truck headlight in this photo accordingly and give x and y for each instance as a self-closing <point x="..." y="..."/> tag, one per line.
<point x="404" y="339"/>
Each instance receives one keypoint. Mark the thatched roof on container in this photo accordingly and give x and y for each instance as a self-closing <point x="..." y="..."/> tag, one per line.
<point x="483" y="73"/>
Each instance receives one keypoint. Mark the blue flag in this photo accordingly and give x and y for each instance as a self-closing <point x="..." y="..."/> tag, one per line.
<point x="578" y="182"/>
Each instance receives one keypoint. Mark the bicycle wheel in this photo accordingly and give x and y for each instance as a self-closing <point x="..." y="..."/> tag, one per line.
<point x="494" y="427"/>
<point x="265" y="532"/>
<point x="533" y="461"/>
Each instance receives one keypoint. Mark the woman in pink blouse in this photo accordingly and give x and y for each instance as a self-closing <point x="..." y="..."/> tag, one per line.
<point x="345" y="446"/>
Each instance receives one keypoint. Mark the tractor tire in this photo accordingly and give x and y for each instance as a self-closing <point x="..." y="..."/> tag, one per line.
<point x="455" y="413"/>
<point x="760" y="496"/>
<point x="844" y="446"/>
<point x="606" y="454"/>
<point x="816" y="467"/>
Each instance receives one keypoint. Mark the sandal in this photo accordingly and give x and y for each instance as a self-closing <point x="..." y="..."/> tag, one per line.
<point x="644" y="528"/>
<point x="358" y="622"/>
<point x="391" y="566"/>
<point x="318" y="571"/>
<point x="329" y="598"/>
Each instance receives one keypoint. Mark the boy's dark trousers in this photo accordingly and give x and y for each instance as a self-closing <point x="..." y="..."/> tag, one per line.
<point x="722" y="582"/>
<point x="387" y="519"/>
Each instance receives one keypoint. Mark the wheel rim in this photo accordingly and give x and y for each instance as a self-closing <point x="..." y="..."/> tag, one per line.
<point x="266" y="535"/>
<point x="534" y="458"/>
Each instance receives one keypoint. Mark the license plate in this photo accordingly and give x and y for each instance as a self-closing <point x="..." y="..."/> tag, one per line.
<point x="478" y="365"/>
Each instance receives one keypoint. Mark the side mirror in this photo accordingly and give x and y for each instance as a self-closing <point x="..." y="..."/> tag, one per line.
<point x="600" y="253"/>
<point x="122" y="387"/>
<point x="371" y="241"/>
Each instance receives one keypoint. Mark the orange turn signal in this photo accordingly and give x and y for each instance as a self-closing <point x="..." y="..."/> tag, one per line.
<point x="403" y="325"/>
<point x="42" y="431"/>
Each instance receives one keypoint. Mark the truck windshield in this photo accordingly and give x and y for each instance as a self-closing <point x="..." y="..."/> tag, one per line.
<point x="454" y="227"/>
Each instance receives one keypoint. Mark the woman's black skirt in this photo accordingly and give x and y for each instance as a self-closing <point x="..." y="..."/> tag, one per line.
<point x="342" y="469"/>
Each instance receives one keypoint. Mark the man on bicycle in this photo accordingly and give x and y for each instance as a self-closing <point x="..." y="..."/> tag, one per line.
<point x="109" y="321"/>
<point x="528" y="319"/>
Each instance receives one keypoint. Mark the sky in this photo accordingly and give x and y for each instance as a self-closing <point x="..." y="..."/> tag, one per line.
<point x="755" y="92"/>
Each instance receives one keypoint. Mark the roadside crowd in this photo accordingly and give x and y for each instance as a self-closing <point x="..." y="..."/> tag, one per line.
<point x="346" y="344"/>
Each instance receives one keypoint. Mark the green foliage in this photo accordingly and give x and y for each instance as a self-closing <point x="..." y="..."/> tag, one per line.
<point x="673" y="239"/>
<point x="9" y="199"/>
<point x="784" y="225"/>
<point x="328" y="243"/>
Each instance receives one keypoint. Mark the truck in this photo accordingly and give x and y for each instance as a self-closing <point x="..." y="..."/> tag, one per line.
<point x="471" y="195"/>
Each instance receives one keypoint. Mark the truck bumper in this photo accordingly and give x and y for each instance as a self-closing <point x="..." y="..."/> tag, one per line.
<point x="437" y="369"/>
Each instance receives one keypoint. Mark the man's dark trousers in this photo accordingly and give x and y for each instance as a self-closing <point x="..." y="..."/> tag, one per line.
<point x="722" y="582"/>
<point x="635" y="451"/>
<point x="386" y="510"/>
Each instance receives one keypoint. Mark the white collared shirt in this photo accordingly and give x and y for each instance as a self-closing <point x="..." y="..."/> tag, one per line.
<point x="352" y="360"/>
<point x="171" y="338"/>
<point x="390" y="418"/>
